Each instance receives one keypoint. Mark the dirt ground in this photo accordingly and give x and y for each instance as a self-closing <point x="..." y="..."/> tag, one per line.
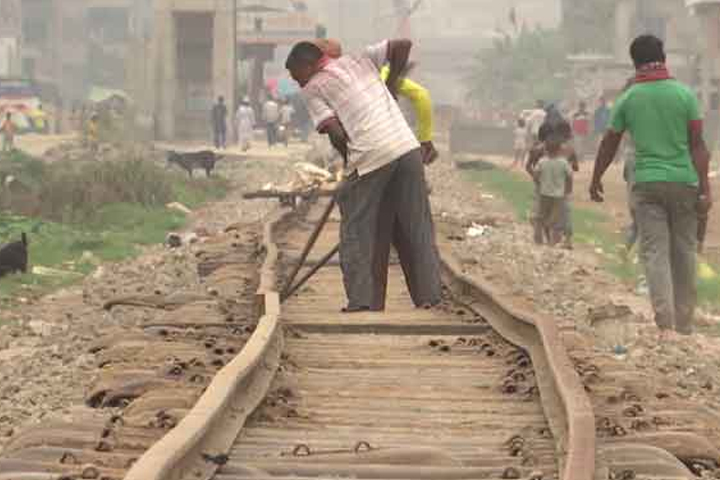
<point x="45" y="367"/>
<point x="604" y="319"/>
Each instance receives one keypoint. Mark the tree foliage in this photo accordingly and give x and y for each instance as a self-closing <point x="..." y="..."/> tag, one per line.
<point x="515" y="72"/>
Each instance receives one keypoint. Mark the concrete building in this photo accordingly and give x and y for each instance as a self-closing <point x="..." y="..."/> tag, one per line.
<point x="10" y="36"/>
<point x="707" y="13"/>
<point x="196" y="49"/>
<point x="604" y="70"/>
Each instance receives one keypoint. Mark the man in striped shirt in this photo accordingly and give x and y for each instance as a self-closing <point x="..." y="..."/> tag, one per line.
<point x="385" y="199"/>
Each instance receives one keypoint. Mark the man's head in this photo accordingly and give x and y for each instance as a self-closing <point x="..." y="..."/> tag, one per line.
<point x="221" y="99"/>
<point x="540" y="104"/>
<point x="647" y="49"/>
<point x="8" y="116"/>
<point x="583" y="105"/>
<point x="554" y="142"/>
<point x="304" y="62"/>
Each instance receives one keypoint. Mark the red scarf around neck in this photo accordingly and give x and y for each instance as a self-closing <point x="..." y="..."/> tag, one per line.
<point x="652" y="72"/>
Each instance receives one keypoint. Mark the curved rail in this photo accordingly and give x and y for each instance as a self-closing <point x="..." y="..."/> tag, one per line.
<point x="195" y="447"/>
<point x="573" y="424"/>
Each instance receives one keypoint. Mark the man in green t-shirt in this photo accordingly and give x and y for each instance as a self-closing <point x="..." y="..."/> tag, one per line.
<point x="671" y="180"/>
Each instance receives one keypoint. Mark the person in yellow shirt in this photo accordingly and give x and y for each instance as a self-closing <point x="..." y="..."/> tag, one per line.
<point x="418" y="96"/>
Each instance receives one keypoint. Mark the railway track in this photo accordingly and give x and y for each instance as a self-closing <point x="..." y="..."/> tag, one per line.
<point x="478" y="388"/>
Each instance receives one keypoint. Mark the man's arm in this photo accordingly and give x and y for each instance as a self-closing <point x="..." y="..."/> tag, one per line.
<point x="701" y="160"/>
<point x="608" y="149"/>
<point x="535" y="155"/>
<point x="398" y="54"/>
<point x="338" y="137"/>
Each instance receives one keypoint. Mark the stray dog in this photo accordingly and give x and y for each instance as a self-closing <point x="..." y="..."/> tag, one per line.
<point x="14" y="257"/>
<point x="205" y="159"/>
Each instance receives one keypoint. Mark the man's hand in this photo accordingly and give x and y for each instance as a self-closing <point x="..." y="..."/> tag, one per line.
<point x="597" y="191"/>
<point x="705" y="204"/>
<point x="429" y="153"/>
<point x="608" y="149"/>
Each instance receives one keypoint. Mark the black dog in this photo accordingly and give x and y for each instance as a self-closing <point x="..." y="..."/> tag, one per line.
<point x="14" y="257"/>
<point x="190" y="161"/>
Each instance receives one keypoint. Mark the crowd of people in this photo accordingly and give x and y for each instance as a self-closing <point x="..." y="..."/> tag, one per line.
<point x="666" y="171"/>
<point x="281" y="118"/>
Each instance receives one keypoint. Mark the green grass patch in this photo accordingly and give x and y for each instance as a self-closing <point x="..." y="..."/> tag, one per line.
<point x="592" y="227"/>
<point x="77" y="216"/>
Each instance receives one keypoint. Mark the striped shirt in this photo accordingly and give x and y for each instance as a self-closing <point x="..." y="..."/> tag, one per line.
<point x="350" y="89"/>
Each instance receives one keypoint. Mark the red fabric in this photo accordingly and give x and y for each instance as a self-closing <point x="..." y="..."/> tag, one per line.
<point x="696" y="126"/>
<point x="322" y="63"/>
<point x="652" y="72"/>
<point x="581" y="126"/>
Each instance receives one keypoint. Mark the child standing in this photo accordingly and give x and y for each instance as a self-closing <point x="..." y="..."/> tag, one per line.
<point x="553" y="177"/>
<point x="521" y="138"/>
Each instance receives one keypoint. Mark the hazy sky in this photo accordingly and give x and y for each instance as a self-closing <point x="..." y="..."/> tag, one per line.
<point x="478" y="14"/>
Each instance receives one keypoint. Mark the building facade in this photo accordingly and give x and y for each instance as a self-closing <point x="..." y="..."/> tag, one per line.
<point x="707" y="13"/>
<point x="601" y="68"/>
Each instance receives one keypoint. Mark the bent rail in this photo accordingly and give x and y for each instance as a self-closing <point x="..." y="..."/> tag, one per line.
<point x="193" y="449"/>
<point x="566" y="404"/>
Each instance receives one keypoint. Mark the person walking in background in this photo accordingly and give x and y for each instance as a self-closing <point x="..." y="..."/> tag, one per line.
<point x="271" y="116"/>
<point x="581" y="130"/>
<point x="536" y="119"/>
<point x="521" y="137"/>
<point x="671" y="189"/>
<point x="8" y="133"/>
<point x="245" y="122"/>
<point x="286" y="121"/>
<point x="219" y="123"/>
<point x="601" y="118"/>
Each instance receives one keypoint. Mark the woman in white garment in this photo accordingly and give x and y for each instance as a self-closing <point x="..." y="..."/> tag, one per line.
<point x="245" y="121"/>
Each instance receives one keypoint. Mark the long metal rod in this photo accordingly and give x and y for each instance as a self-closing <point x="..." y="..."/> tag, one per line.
<point x="309" y="246"/>
<point x="320" y="264"/>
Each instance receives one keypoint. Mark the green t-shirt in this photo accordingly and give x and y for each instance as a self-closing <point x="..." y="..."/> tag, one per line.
<point x="658" y="114"/>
